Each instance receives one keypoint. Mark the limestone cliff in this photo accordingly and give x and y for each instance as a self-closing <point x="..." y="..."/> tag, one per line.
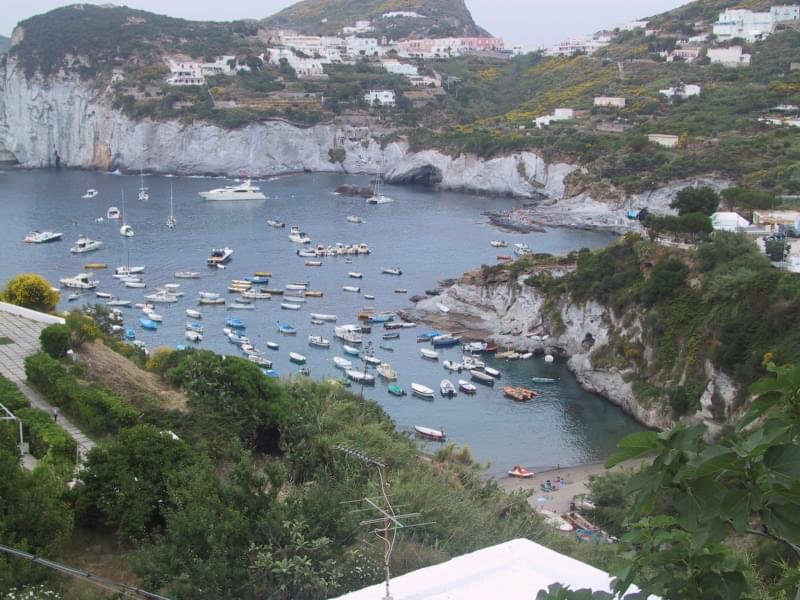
<point x="518" y="316"/>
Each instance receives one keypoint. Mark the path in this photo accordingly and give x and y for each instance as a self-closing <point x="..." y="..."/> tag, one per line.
<point x="24" y="336"/>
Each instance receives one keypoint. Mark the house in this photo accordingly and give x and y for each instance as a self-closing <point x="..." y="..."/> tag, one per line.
<point x="304" y="67"/>
<point x="222" y="65"/>
<point x="359" y="27"/>
<point x="399" y="68"/>
<point x="664" y="139"/>
<point x="631" y="25"/>
<point x="184" y="73"/>
<point x="559" y="114"/>
<point x="380" y="98"/>
<point x="515" y="570"/>
<point x="728" y="221"/>
<point x="444" y="47"/>
<point x="753" y="26"/>
<point x="586" y="45"/>
<point x="729" y="57"/>
<point x="682" y="91"/>
<point x="774" y="218"/>
<point x="609" y="102"/>
<point x="355" y="46"/>
<point x="795" y="66"/>
<point x="425" y="80"/>
<point x="687" y="54"/>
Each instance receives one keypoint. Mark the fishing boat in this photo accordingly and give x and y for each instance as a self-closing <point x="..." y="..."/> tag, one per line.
<point x="386" y="371"/>
<point x="381" y="318"/>
<point x="431" y="434"/>
<point x="211" y="301"/>
<point x="313" y="263"/>
<point x="118" y="302"/>
<point x="421" y="391"/>
<point x="519" y="394"/>
<point x="273" y="345"/>
<point x="113" y="213"/>
<point x="391" y="271"/>
<point x="235" y="323"/>
<point x="371" y="360"/>
<point x="194" y="314"/>
<point x="342" y="363"/>
<point x="429" y="354"/>
<point x="355" y="219"/>
<point x="187" y="275"/>
<point x="297" y="358"/>
<point x="81" y="281"/>
<point x="243" y="191"/>
<point x="313" y="294"/>
<point x="162" y="296"/>
<point x="350" y="334"/>
<point x="219" y="256"/>
<point x="148" y="323"/>
<point x="427" y="336"/>
<point x="482" y="377"/>
<point x="260" y="361"/>
<point x="291" y="306"/>
<point x="193" y="336"/>
<point x="105" y="295"/>
<point x="275" y="223"/>
<point x="286" y="329"/>
<point x="452" y="365"/>
<point x="351" y="288"/>
<point x="256" y="295"/>
<point x="466" y="387"/>
<point x="135" y="284"/>
<point x="355" y="275"/>
<point x="396" y="390"/>
<point x="323" y="317"/>
<point x="445" y="341"/>
<point x="194" y="327"/>
<point x="235" y="336"/>
<point x="298" y="237"/>
<point x="520" y="472"/>
<point x="85" y="244"/>
<point x="42" y="237"/>
<point x="90" y="193"/>
<point x="498" y="244"/>
<point x="447" y="389"/>
<point x="351" y="350"/>
<point x="319" y="341"/>
<point x="390" y="336"/>
<point x="361" y="377"/>
<point x="258" y="279"/>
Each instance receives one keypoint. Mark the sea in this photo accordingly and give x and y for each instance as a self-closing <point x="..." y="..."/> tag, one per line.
<point x="431" y="235"/>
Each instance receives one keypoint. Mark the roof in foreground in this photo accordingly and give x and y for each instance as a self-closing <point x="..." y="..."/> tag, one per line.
<point x="515" y="570"/>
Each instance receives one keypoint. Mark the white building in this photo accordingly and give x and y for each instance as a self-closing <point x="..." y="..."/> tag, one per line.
<point x="516" y="570"/>
<point x="682" y="91"/>
<point x="559" y="114"/>
<point x="587" y="45"/>
<point x="752" y="26"/>
<point x="380" y="98"/>
<point x="185" y="72"/>
<point x="399" y="68"/>
<point x="609" y="102"/>
<point x="664" y="139"/>
<point x="357" y="46"/>
<point x="631" y="25"/>
<point x="358" y="27"/>
<point x="327" y="48"/>
<point x="410" y="14"/>
<point x="729" y="57"/>
<point x="222" y="65"/>
<point x="728" y="221"/>
<point x="304" y="67"/>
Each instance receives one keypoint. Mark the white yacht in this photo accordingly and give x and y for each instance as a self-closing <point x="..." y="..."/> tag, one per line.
<point x="162" y="296"/>
<point x="297" y="236"/>
<point x="113" y="213"/>
<point x="243" y="191"/>
<point x="219" y="256"/>
<point x="42" y="237"/>
<point x="81" y="281"/>
<point x="350" y="334"/>
<point x="126" y="230"/>
<point x="90" y="193"/>
<point x="84" y="244"/>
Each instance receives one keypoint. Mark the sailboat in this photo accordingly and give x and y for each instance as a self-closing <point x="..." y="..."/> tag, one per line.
<point x="377" y="197"/>
<point x="171" y="220"/>
<point x="125" y="229"/>
<point x="143" y="193"/>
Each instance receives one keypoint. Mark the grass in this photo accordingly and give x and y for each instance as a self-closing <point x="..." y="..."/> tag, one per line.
<point x="99" y="553"/>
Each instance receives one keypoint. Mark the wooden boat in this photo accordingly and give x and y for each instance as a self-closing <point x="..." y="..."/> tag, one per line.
<point x="385" y="347"/>
<point x="96" y="265"/>
<point x="391" y="271"/>
<point x="360" y="377"/>
<point x="396" y="390"/>
<point x="422" y="391"/>
<point x="390" y="336"/>
<point x="319" y="341"/>
<point x="430" y="434"/>
<point x="105" y="295"/>
<point x="429" y="354"/>
<point x="323" y="317"/>
<point x="520" y="472"/>
<point x="256" y="295"/>
<point x="351" y="350"/>
<point x="466" y="387"/>
<point x="297" y="358"/>
<point x="518" y="394"/>
<point x="447" y="389"/>
<point x="240" y="306"/>
<point x="482" y="377"/>
<point x="286" y="329"/>
<point x="369" y="297"/>
<point x="263" y="273"/>
<point x="351" y="288"/>
<point x="386" y="371"/>
<point x="211" y="301"/>
<point x="274" y="291"/>
<point x="313" y="294"/>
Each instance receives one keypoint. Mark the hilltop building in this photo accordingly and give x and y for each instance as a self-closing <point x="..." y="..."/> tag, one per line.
<point x="304" y="67"/>
<point x="587" y="45"/>
<point x="729" y="221"/>
<point x="380" y="98"/>
<point x="729" y="57"/>
<point x="190" y="72"/>
<point x="682" y="91"/>
<point x="609" y="102"/>
<point x="409" y="14"/>
<point x="446" y="47"/>
<point x="559" y="114"/>
<point x="753" y="26"/>
<point x="358" y="27"/>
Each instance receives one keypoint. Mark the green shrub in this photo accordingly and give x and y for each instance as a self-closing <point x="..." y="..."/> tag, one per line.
<point x="47" y="440"/>
<point x="11" y="397"/>
<point x="55" y="340"/>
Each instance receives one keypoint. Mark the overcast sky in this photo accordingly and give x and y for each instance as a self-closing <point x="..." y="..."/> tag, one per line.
<point x="518" y="21"/>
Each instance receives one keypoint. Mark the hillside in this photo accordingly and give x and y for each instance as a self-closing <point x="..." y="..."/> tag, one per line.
<point x="5" y="44"/>
<point x="440" y="18"/>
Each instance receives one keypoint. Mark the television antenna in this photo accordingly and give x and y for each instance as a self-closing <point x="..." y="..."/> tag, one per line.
<point x="388" y="522"/>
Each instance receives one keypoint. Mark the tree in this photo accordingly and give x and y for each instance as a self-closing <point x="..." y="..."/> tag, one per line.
<point x="31" y="291"/>
<point x="668" y="277"/>
<point x="55" y="340"/>
<point x="777" y="250"/>
<point x="693" y="200"/>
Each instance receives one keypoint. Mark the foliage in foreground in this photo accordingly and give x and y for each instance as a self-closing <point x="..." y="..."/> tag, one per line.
<point x="31" y="291"/>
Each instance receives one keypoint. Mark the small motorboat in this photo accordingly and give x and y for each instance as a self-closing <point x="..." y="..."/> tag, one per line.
<point x="482" y="377"/>
<point x="162" y="296"/>
<point x="297" y="358"/>
<point x="126" y="271"/>
<point x="130" y="334"/>
<point x="211" y="301"/>
<point x="498" y="244"/>
<point x="286" y="329"/>
<point x="319" y="341"/>
<point x="296" y="299"/>
<point x="96" y="265"/>
<point x="118" y="302"/>
<point x="81" y="281"/>
<point x="493" y="372"/>
<point x="355" y="275"/>
<point x="256" y="295"/>
<point x="90" y="193"/>
<point x="273" y="345"/>
<point x="323" y="317"/>
<point x="430" y="434"/>
<point x="291" y="306"/>
<point x="73" y="297"/>
<point x="317" y="322"/>
<point x="504" y="257"/>
<point x="314" y="294"/>
<point x="297" y="287"/>
<point x="391" y="271"/>
<point x="126" y="230"/>
<point x="187" y="275"/>
<point x="390" y="336"/>
<point x="544" y="380"/>
<point x="258" y="279"/>
<point x="521" y="472"/>
<point x="153" y="316"/>
<point x="219" y="256"/>
<point x="298" y="237"/>
<point x="355" y="219"/>
<point x="276" y="224"/>
<point x="193" y="336"/>
<point x="447" y="389"/>
<point x="369" y="297"/>
<point x="401" y="291"/>
<point x="386" y="371"/>
<point x="351" y="350"/>
<point x="342" y="363"/>
<point x="351" y="288"/>
<point x="105" y="295"/>
<point x="194" y="327"/>
<point x="422" y="391"/>
<point x="429" y="354"/>
<point x="519" y="394"/>
<point x="240" y="305"/>
<point x="235" y="323"/>
<point x="85" y="244"/>
<point x="396" y="390"/>
<point x="113" y="213"/>
<point x="42" y="237"/>
<point x="428" y="336"/>
<point x="466" y="387"/>
<point x="360" y="377"/>
<point x="135" y="284"/>
<point x="147" y="323"/>
<point x="471" y="363"/>
<point x="236" y="337"/>
<point x="260" y="361"/>
<point x="194" y="314"/>
<point x="386" y="347"/>
<point x="313" y="263"/>
<point x="452" y="365"/>
<point x="445" y="341"/>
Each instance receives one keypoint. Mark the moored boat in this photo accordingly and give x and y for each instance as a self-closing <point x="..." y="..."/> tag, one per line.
<point x="291" y="306"/>
<point x="219" y="256"/>
<point x="286" y="329"/>
<point x="276" y="224"/>
<point x="493" y="372"/>
<point x="297" y="358"/>
<point x="452" y="365"/>
<point x="391" y="271"/>
<point x="386" y="371"/>
<point x="519" y="394"/>
<point x="360" y="377"/>
<point x="323" y="317"/>
<point x="447" y="389"/>
<point x="342" y="363"/>
<point x="422" y="391"/>
<point x="85" y="244"/>
<point x="429" y="354"/>
<point x="445" y="341"/>
<point x="90" y="193"/>
<point x="187" y="275"/>
<point x="396" y="390"/>
<point x="42" y="237"/>
<point x="482" y="377"/>
<point x="81" y="281"/>
<point x="498" y="244"/>
<point x="431" y="434"/>
<point x="351" y="350"/>
<point x="466" y="387"/>
<point x="194" y="314"/>
<point x="351" y="289"/>
<point x="544" y="380"/>
<point x="319" y="341"/>
<point x="243" y="191"/>
<point x="162" y="296"/>
<point x="147" y="323"/>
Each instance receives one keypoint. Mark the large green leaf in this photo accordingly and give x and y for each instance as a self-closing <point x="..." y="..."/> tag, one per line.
<point x="711" y="461"/>
<point x="759" y="406"/>
<point x="633" y="446"/>
<point x="736" y="507"/>
<point x="783" y="463"/>
<point x="771" y="433"/>
<point x="783" y="521"/>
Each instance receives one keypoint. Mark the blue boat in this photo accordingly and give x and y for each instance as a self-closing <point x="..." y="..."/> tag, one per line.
<point x="428" y="336"/>
<point x="271" y="373"/>
<point x="445" y="341"/>
<point x="180" y="347"/>
<point x="256" y="279"/>
<point x="391" y="336"/>
<point x="381" y="318"/>
<point x="191" y="326"/>
<point x="130" y="334"/>
<point x="286" y="328"/>
<point x="148" y="323"/>
<point x="236" y="323"/>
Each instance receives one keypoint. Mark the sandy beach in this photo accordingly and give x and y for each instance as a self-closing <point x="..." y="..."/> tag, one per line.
<point x="574" y="484"/>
